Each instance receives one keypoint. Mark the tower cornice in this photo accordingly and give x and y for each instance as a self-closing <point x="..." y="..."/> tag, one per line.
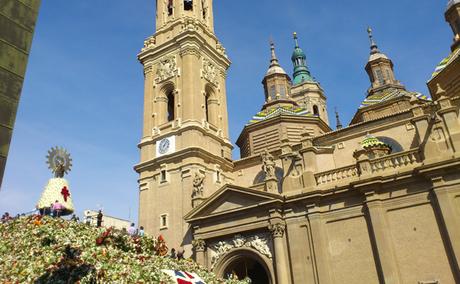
<point x="186" y="40"/>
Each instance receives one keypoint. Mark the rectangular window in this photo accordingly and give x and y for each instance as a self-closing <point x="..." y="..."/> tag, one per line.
<point x="218" y="176"/>
<point x="163" y="176"/>
<point x="188" y="5"/>
<point x="164" y="221"/>
<point x="379" y="75"/>
<point x="273" y="92"/>
<point x="282" y="91"/>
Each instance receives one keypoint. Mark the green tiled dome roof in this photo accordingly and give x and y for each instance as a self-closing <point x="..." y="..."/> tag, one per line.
<point x="280" y="110"/>
<point x="445" y="62"/>
<point x="388" y="94"/>
<point x="371" y="141"/>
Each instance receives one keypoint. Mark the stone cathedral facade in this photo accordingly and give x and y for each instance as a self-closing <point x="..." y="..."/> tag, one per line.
<point x="377" y="201"/>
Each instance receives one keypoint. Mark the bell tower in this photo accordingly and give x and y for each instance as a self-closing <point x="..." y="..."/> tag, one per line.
<point x="185" y="146"/>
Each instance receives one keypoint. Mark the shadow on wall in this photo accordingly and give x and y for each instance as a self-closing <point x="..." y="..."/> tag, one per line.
<point x="260" y="178"/>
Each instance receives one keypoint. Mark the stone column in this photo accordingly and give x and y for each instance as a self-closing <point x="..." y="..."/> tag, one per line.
<point x="199" y="246"/>
<point x="319" y="236"/>
<point x="281" y="263"/>
<point x="450" y="218"/>
<point x="385" y="251"/>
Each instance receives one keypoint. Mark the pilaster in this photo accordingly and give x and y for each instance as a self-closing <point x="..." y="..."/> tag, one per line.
<point x="319" y="238"/>
<point x="450" y="218"/>
<point x="383" y="246"/>
<point x="199" y="246"/>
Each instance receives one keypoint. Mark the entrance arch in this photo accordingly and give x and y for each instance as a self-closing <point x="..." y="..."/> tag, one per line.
<point x="245" y="262"/>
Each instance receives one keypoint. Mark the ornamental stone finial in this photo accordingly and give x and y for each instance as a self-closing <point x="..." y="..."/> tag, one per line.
<point x="374" y="47"/>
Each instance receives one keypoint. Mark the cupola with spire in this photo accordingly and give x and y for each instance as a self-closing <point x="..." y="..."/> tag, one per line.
<point x="277" y="84"/>
<point x="380" y="69"/>
<point x="306" y="91"/>
<point x="299" y="59"/>
<point x="386" y="94"/>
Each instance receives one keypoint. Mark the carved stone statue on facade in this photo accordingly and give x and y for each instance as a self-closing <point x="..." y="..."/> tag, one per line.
<point x="198" y="184"/>
<point x="268" y="165"/>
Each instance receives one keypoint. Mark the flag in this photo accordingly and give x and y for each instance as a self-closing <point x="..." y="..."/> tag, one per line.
<point x="183" y="277"/>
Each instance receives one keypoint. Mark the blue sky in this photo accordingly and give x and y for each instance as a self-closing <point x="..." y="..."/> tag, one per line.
<point x="84" y="86"/>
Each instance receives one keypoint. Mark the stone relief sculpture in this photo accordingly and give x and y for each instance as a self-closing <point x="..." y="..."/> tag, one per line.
<point x="166" y="68"/>
<point x="210" y="71"/>
<point x="258" y="242"/>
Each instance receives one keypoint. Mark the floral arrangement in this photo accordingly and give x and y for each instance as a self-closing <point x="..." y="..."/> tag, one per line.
<point x="47" y="250"/>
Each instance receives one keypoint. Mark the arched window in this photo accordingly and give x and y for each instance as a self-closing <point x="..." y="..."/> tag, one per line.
<point x="211" y="106"/>
<point x="315" y="110"/>
<point x="171" y="110"/>
<point x="206" y="106"/>
<point x="188" y="5"/>
<point x="395" y="146"/>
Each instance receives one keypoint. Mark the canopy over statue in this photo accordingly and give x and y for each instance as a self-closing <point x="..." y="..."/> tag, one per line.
<point x="57" y="189"/>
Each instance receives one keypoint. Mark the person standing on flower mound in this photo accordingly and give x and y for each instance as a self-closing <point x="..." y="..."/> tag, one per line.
<point x="57" y="190"/>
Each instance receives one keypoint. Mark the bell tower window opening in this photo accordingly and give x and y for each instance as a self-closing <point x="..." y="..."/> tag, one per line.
<point x="171" y="110"/>
<point x="315" y="110"/>
<point x="204" y="9"/>
<point x="170" y="7"/>
<point x="282" y="91"/>
<point x="272" y="94"/>
<point x="188" y="5"/>
<point x="379" y="75"/>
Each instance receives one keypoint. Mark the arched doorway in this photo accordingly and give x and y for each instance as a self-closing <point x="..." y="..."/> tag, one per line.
<point x="247" y="268"/>
<point x="245" y="263"/>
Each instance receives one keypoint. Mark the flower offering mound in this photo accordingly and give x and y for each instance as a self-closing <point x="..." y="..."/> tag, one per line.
<point x="47" y="250"/>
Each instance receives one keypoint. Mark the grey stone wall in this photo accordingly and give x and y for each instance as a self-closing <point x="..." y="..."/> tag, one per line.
<point x="17" y="25"/>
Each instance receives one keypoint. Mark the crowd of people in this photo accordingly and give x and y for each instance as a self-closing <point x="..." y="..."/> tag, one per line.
<point x="55" y="209"/>
<point x="7" y="217"/>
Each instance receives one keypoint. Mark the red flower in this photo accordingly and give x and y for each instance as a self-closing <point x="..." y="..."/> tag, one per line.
<point x="65" y="193"/>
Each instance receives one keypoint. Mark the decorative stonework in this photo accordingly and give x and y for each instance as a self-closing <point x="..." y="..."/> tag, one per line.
<point x="198" y="184"/>
<point x="166" y="69"/>
<point x="277" y="230"/>
<point x="199" y="245"/>
<point x="148" y="43"/>
<point x="210" y="72"/>
<point x="268" y="165"/>
<point x="258" y="242"/>
<point x="190" y="50"/>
